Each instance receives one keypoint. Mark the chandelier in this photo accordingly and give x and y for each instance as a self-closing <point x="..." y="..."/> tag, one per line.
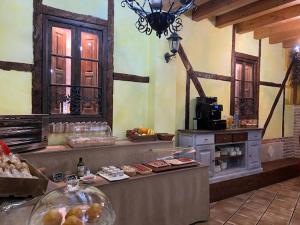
<point x="159" y="15"/>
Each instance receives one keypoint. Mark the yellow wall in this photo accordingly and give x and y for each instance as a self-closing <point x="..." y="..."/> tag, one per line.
<point x="160" y="104"/>
<point x="15" y="92"/>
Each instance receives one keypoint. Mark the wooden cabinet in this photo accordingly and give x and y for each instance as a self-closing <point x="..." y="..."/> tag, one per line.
<point x="243" y="151"/>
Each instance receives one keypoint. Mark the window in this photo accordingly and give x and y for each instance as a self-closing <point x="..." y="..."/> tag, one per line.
<point x="74" y="73"/>
<point x="244" y="100"/>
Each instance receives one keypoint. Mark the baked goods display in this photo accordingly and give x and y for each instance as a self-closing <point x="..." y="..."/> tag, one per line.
<point x="141" y="169"/>
<point x="180" y="161"/>
<point x="75" y="216"/>
<point x="158" y="163"/>
<point x="11" y="166"/>
<point x="129" y="170"/>
<point x="86" y="205"/>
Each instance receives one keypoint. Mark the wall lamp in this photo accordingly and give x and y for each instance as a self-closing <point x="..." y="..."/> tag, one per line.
<point x="174" y="43"/>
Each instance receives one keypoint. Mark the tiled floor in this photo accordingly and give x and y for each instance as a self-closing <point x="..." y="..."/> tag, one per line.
<point x="273" y="205"/>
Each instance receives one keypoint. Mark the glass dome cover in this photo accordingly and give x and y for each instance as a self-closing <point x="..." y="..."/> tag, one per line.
<point x="85" y="206"/>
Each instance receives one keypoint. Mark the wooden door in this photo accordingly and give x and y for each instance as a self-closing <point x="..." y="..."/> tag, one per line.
<point x="89" y="72"/>
<point x="58" y="68"/>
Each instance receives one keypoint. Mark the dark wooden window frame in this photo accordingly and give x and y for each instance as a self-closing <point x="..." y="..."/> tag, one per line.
<point x="39" y="13"/>
<point x="255" y="61"/>
<point x="76" y="26"/>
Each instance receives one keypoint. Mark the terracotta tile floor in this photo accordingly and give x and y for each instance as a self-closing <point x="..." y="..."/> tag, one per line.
<point x="277" y="204"/>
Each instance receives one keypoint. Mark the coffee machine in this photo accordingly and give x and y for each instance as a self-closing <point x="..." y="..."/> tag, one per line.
<point x="208" y="114"/>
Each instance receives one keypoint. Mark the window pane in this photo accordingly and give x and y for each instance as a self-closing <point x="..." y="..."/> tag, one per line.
<point x="247" y="107"/>
<point x="60" y="70"/>
<point x="248" y="90"/>
<point x="248" y="72"/>
<point x="89" y="73"/>
<point x="89" y="46"/>
<point x="238" y="89"/>
<point x="89" y="101"/>
<point x="238" y="71"/>
<point x="61" y="41"/>
<point x="237" y="106"/>
<point x="60" y="100"/>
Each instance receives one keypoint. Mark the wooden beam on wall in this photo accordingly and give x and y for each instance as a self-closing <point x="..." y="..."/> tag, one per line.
<point x="75" y="16"/>
<point x="255" y="9"/>
<point x="212" y="76"/>
<point x="110" y="63"/>
<point x="291" y="43"/>
<point x="187" y="102"/>
<point x="269" y="84"/>
<point x="278" y="96"/>
<point x="267" y="31"/>
<point x="217" y="7"/>
<point x="37" y="74"/>
<point x="24" y="67"/>
<point x="271" y="18"/>
<point x="190" y="71"/>
<point x="130" y="77"/>
<point x="283" y="36"/>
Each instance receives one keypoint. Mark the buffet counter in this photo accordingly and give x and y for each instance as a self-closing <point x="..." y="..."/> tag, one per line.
<point x="179" y="197"/>
<point x="64" y="158"/>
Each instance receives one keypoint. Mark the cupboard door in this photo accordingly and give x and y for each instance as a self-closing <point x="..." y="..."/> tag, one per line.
<point x="254" y="149"/>
<point x="204" y="139"/>
<point x="185" y="140"/>
<point x="207" y="158"/>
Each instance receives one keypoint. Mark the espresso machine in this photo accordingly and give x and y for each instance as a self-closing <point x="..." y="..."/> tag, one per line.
<point x="208" y="114"/>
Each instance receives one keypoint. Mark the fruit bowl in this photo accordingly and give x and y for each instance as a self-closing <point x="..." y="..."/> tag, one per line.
<point x="141" y="134"/>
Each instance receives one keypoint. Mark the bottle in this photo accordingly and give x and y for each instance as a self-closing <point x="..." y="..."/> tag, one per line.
<point x="80" y="168"/>
<point x="236" y="120"/>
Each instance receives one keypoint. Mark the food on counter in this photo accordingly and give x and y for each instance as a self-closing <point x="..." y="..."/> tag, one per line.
<point x="11" y="166"/>
<point x="112" y="173"/>
<point x="141" y="169"/>
<point x="158" y="164"/>
<point x="129" y="170"/>
<point x="94" y="212"/>
<point x="179" y="161"/>
<point x="72" y="220"/>
<point x="142" y="131"/>
<point x="75" y="212"/>
<point x="75" y="141"/>
<point x="52" y="217"/>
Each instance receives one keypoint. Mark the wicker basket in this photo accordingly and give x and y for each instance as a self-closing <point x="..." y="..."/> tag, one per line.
<point x="24" y="187"/>
<point x="165" y="136"/>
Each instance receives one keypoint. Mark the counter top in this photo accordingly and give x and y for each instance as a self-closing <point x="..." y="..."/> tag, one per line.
<point x="67" y="148"/>
<point x="237" y="130"/>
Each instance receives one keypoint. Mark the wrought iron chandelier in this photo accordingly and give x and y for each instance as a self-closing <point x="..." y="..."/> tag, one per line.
<point x="159" y="15"/>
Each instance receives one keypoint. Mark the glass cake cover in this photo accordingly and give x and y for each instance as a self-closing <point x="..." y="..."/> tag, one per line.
<point x="85" y="206"/>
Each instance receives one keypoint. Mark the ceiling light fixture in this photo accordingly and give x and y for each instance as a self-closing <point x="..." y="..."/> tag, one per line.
<point x="159" y="15"/>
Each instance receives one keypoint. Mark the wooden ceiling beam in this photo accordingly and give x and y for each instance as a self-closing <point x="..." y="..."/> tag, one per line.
<point x="255" y="9"/>
<point x="217" y="7"/>
<point x="267" y="31"/>
<point x="271" y="18"/>
<point x="279" y="37"/>
<point x="291" y="43"/>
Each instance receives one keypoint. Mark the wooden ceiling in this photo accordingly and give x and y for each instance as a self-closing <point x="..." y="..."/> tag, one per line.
<point x="278" y="20"/>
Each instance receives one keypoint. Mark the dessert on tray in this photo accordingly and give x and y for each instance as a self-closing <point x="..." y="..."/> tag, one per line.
<point x="158" y="163"/>
<point x="143" y="170"/>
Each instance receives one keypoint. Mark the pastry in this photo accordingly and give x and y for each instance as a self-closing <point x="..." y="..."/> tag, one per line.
<point x="129" y="170"/>
<point x="143" y="170"/>
<point x="75" y="212"/>
<point x="52" y="217"/>
<point x="93" y="212"/>
<point x="158" y="164"/>
<point x="72" y="220"/>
